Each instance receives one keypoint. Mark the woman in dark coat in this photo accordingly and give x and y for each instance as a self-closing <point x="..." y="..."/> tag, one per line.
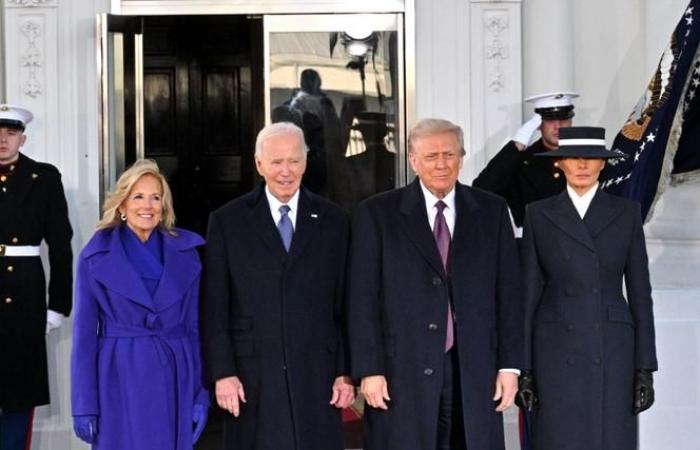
<point x="136" y="371"/>
<point x="589" y="350"/>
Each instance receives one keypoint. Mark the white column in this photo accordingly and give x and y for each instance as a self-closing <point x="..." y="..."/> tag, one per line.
<point x="496" y="79"/>
<point x="548" y="46"/>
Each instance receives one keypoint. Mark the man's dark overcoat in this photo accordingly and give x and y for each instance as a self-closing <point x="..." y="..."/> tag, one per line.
<point x="274" y="320"/>
<point x="584" y="339"/>
<point x="398" y="297"/>
<point x="32" y="209"/>
<point x="520" y="177"/>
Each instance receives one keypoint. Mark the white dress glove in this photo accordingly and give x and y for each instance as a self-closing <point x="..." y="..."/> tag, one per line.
<point x="526" y="130"/>
<point x="53" y="320"/>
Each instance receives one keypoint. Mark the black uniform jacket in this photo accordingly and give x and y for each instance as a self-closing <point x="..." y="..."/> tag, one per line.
<point x="398" y="297"/>
<point x="32" y="209"/>
<point x="520" y="177"/>
<point x="275" y="320"/>
<point x="584" y="338"/>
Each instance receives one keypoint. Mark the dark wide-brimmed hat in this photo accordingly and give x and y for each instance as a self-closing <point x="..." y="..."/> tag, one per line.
<point x="582" y="142"/>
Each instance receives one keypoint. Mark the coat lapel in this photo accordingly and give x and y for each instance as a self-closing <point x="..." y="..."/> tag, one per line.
<point x="115" y="272"/>
<point x="416" y="225"/>
<point x="178" y="274"/>
<point x="307" y="225"/>
<point x="467" y="210"/>
<point x="263" y="225"/>
<point x="601" y="212"/>
<point x="565" y="217"/>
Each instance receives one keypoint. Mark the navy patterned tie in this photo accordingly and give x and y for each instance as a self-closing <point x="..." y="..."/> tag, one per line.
<point x="442" y="239"/>
<point x="284" y="226"/>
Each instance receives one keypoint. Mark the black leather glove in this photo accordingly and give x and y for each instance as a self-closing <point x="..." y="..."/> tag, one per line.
<point x="643" y="390"/>
<point x="526" y="398"/>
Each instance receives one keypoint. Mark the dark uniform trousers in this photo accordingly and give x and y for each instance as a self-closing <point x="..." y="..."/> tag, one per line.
<point x="14" y="430"/>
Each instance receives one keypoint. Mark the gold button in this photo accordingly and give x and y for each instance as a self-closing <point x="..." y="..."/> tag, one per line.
<point x="8" y="300"/>
<point x="12" y="167"/>
<point x="4" y="189"/>
<point x="15" y="240"/>
<point x="3" y="178"/>
<point x="10" y="269"/>
<point x="556" y="175"/>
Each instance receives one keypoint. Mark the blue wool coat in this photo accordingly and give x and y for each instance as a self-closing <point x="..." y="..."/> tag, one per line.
<point x="135" y="360"/>
<point x="583" y="338"/>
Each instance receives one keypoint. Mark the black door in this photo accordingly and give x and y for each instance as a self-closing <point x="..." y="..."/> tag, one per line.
<point x="203" y="97"/>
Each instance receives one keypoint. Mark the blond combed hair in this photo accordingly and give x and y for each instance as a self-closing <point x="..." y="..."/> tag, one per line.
<point x="125" y="183"/>
<point x="429" y="127"/>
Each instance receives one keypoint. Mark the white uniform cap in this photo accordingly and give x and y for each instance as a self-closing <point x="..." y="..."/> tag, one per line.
<point x="14" y="116"/>
<point x="552" y="100"/>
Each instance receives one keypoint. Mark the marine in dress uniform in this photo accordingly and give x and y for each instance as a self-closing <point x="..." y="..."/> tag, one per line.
<point x="32" y="208"/>
<point x="514" y="173"/>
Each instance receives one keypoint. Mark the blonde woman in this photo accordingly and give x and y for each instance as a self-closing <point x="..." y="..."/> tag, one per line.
<point x="136" y="377"/>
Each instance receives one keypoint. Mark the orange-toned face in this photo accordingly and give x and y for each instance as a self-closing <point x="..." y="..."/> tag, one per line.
<point x="581" y="173"/>
<point x="437" y="160"/>
<point x="550" y="132"/>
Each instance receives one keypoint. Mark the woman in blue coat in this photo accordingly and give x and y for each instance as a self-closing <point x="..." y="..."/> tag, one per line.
<point x="136" y="371"/>
<point x="589" y="349"/>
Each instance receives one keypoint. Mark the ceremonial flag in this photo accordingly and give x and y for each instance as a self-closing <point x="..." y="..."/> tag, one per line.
<point x="662" y="135"/>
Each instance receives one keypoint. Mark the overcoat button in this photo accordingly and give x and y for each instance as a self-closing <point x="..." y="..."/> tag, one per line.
<point x="596" y="326"/>
<point x="595" y="290"/>
<point x="567" y="257"/>
<point x="597" y="361"/>
<point x="8" y="300"/>
<point x="570" y="327"/>
<point x="437" y="281"/>
<point x="570" y="361"/>
<point x="432" y="327"/>
<point x="568" y="291"/>
<point x="428" y="372"/>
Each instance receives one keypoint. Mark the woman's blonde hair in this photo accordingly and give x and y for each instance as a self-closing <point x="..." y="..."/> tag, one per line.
<point x="125" y="183"/>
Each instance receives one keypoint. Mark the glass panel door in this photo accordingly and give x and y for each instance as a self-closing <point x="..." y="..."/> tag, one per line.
<point x="340" y="78"/>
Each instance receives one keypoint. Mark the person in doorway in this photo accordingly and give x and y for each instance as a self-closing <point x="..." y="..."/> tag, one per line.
<point x="272" y="308"/>
<point x="32" y="209"/>
<point x="135" y="367"/>
<point x="515" y="173"/>
<point x="589" y="350"/>
<point x="435" y="319"/>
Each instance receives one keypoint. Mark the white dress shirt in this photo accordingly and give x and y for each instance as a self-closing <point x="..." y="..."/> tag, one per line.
<point x="275" y="204"/>
<point x="582" y="202"/>
<point x="450" y="214"/>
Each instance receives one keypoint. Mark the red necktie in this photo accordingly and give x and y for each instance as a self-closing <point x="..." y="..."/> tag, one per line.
<point x="442" y="238"/>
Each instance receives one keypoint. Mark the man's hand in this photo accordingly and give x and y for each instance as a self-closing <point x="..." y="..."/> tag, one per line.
<point x="343" y="392"/>
<point x="524" y="134"/>
<point x="506" y="388"/>
<point x="375" y="390"/>
<point x="527" y="391"/>
<point x="228" y="393"/>
<point x="53" y="320"/>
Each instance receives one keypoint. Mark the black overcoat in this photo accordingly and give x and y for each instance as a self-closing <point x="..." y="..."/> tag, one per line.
<point x="398" y="297"/>
<point x="32" y="209"/>
<point x="584" y="339"/>
<point x="520" y="177"/>
<point x="274" y="320"/>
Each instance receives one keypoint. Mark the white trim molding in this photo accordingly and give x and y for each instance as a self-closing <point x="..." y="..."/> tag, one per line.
<point x="31" y="3"/>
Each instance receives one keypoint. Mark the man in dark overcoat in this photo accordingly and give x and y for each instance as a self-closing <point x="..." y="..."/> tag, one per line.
<point x="515" y="173"/>
<point x="434" y="308"/>
<point x="32" y="209"/>
<point x="272" y="307"/>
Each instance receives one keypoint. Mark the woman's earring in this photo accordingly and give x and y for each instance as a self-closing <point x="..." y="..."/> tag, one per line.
<point x="122" y="216"/>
